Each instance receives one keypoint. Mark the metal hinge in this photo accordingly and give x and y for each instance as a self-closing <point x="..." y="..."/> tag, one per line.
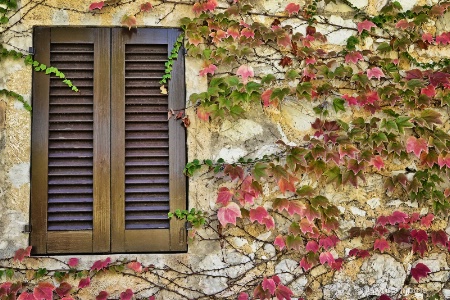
<point x="26" y="228"/>
<point x="188" y="225"/>
<point x="31" y="50"/>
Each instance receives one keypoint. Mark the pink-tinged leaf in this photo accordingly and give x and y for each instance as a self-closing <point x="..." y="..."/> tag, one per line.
<point x="447" y="191"/>
<point x="287" y="184"/>
<point x="427" y="220"/>
<point x="312" y="246"/>
<point x="248" y="33"/>
<point x="127" y="295"/>
<point x="381" y="244"/>
<point x="365" y="25"/>
<point x="310" y="60"/>
<point x="328" y="242"/>
<point x="292" y="8"/>
<point x="397" y="217"/>
<point x="353" y="57"/>
<point x="96" y="5"/>
<point x="135" y="266"/>
<point x="347" y="150"/>
<point x="243" y="296"/>
<point x="234" y="172"/>
<point x="439" y="237"/>
<point x="375" y="72"/>
<point x="384" y="297"/>
<point x="129" y="21"/>
<point x="197" y="8"/>
<point x="269" y="222"/>
<point x="429" y="91"/>
<point x="443" y="39"/>
<point x="203" y="114"/>
<point x="427" y="37"/>
<point x="444" y="161"/>
<point x="414" y="217"/>
<point x="233" y="31"/>
<point x="44" y="291"/>
<point x="63" y="289"/>
<point x="259" y="293"/>
<point x="404" y="24"/>
<point x="284" y="40"/>
<point x="420" y="271"/>
<point x="420" y="248"/>
<point x="103" y="295"/>
<point x="296" y="207"/>
<point x="265" y="97"/>
<point x="26" y="296"/>
<point x="210" y="69"/>
<point x="146" y="7"/>
<point x="337" y="265"/>
<point x="326" y="257"/>
<point x="67" y="298"/>
<point x="245" y="72"/>
<point x="419" y="235"/>
<point x="283" y="292"/>
<point x="311" y="213"/>
<point x="377" y="162"/>
<point x="258" y="214"/>
<point x="101" y="264"/>
<point x="269" y="285"/>
<point x="350" y="99"/>
<point x="305" y="264"/>
<point x="416" y="145"/>
<point x="73" y="262"/>
<point x="224" y="196"/>
<point x="306" y="226"/>
<point x="229" y="213"/>
<point x="279" y="241"/>
<point x="154" y="298"/>
<point x="84" y="282"/>
<point x="210" y="5"/>
<point x="20" y="254"/>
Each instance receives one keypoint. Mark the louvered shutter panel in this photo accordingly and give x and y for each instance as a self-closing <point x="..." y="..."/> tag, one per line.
<point x="70" y="160"/>
<point x="148" y="151"/>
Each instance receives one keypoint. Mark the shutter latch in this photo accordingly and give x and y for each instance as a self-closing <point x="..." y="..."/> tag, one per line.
<point x="188" y="225"/>
<point x="31" y="50"/>
<point x="26" y="228"/>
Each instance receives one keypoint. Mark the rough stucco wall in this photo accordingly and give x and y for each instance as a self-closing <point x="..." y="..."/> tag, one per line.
<point x="253" y="136"/>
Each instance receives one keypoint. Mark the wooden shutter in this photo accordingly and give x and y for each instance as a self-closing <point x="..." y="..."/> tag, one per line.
<point x="148" y="151"/>
<point x="70" y="143"/>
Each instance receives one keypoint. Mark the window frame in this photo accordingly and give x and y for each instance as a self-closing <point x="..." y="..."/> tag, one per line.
<point x="109" y="234"/>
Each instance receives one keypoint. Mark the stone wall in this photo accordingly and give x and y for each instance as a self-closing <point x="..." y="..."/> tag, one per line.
<point x="213" y="269"/>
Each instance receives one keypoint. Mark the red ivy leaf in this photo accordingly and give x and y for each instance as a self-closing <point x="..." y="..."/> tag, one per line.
<point x="127" y="295"/>
<point x="397" y="217"/>
<point x="224" y="196"/>
<point x="44" y="291"/>
<point x="234" y="172"/>
<point x="284" y="40"/>
<point x="269" y="285"/>
<point x="135" y="266"/>
<point x="84" y="282"/>
<point x="420" y="271"/>
<point x="22" y="253"/>
<point x="286" y="61"/>
<point x="146" y="7"/>
<point x="203" y="114"/>
<point x="197" y="8"/>
<point x="427" y="220"/>
<point x="103" y="295"/>
<point x="353" y="57"/>
<point x="258" y="214"/>
<point x="312" y="246"/>
<point x="243" y="296"/>
<point x="245" y="72"/>
<point x="377" y="162"/>
<point x="375" y="72"/>
<point x="384" y="297"/>
<point x="326" y="257"/>
<point x="337" y="265"/>
<point x="265" y="97"/>
<point x="287" y="184"/>
<point x="63" y="289"/>
<point x="73" y="262"/>
<point x="210" y="69"/>
<point x="229" y="213"/>
<point x="292" y="8"/>
<point x="429" y="91"/>
<point x="101" y="264"/>
<point x="305" y="264"/>
<point x="96" y="5"/>
<point x="439" y="237"/>
<point x="283" y="293"/>
<point x="365" y="25"/>
<point x="248" y="33"/>
<point x="279" y="241"/>
<point x="416" y="145"/>
<point x="26" y="296"/>
<point x="419" y="235"/>
<point x="210" y="5"/>
<point x="129" y="21"/>
<point x="420" y="248"/>
<point x="381" y="244"/>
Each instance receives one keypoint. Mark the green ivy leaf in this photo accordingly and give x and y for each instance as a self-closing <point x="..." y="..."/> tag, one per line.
<point x="338" y="104"/>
